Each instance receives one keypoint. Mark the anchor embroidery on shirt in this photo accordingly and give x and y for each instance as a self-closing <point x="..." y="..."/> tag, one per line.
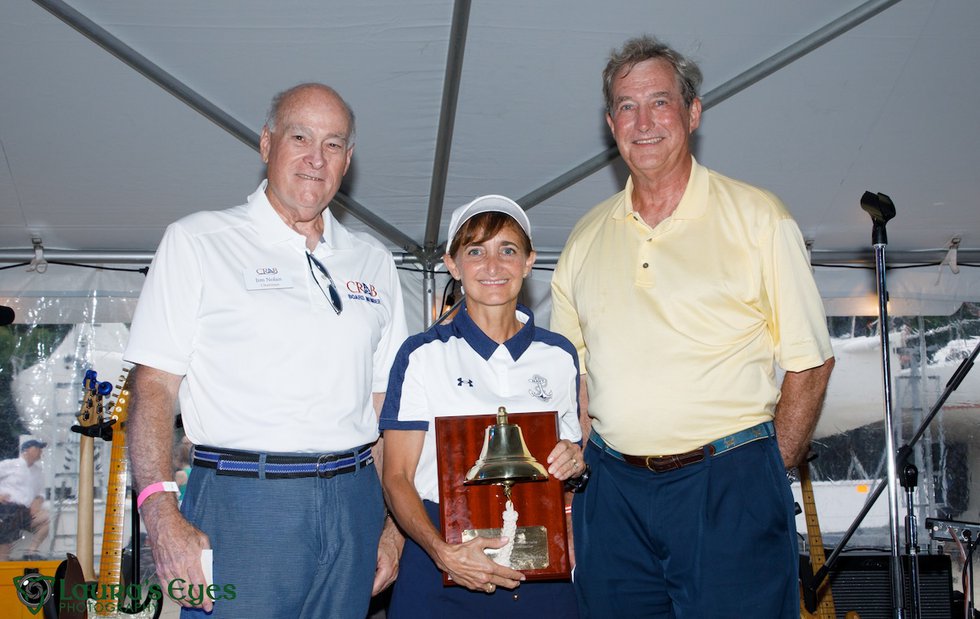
<point x="540" y="389"/>
<point x="460" y="381"/>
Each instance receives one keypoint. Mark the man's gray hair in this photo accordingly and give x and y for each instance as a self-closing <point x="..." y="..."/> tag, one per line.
<point x="275" y="109"/>
<point x="640" y="49"/>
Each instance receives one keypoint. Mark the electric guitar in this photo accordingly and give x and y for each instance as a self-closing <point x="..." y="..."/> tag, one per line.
<point x="113" y="530"/>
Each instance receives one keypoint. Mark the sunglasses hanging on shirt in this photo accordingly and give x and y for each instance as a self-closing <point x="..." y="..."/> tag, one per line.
<point x="321" y="275"/>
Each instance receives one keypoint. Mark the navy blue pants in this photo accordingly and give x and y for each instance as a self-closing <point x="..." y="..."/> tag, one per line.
<point x="713" y="539"/>
<point x="419" y="593"/>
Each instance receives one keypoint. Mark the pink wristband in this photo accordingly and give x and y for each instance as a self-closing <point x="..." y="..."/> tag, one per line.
<point x="160" y="486"/>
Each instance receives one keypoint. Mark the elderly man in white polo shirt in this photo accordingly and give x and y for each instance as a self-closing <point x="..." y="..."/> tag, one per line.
<point x="274" y="327"/>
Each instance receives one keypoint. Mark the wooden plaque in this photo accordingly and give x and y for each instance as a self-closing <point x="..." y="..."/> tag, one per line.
<point x="469" y="510"/>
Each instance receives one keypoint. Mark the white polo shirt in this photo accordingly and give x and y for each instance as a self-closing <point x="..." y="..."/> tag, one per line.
<point x="20" y="482"/>
<point x="230" y="303"/>
<point x="456" y="369"/>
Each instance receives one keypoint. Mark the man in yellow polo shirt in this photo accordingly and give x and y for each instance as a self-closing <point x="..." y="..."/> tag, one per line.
<point x="682" y="293"/>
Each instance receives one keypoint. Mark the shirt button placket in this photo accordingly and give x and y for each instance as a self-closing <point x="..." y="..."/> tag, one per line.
<point x="644" y="267"/>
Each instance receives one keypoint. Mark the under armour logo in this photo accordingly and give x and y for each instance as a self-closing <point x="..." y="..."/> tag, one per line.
<point x="460" y="381"/>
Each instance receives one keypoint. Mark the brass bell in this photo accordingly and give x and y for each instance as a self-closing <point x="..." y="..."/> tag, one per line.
<point x="505" y="459"/>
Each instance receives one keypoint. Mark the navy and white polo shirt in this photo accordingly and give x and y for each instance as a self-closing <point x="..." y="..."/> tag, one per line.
<point x="456" y="369"/>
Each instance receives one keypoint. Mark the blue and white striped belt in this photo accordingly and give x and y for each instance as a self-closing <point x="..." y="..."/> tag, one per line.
<point x="280" y="466"/>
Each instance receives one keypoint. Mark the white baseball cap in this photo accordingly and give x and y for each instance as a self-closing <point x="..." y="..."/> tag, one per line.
<point x="488" y="204"/>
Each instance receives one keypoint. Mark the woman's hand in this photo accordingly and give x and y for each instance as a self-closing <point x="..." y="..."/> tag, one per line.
<point x="469" y="566"/>
<point x="565" y="460"/>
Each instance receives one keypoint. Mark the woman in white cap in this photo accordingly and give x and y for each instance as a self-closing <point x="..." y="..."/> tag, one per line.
<point x="490" y="355"/>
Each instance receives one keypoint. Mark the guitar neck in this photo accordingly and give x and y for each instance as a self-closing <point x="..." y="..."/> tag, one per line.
<point x="110" y="567"/>
<point x="814" y="536"/>
<point x="825" y="606"/>
<point x="113" y="530"/>
<point x="86" y="506"/>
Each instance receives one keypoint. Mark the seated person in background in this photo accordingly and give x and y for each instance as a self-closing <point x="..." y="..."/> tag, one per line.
<point x="505" y="360"/>
<point x="22" y="500"/>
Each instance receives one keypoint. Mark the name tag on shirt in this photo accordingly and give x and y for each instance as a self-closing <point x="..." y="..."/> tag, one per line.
<point x="265" y="278"/>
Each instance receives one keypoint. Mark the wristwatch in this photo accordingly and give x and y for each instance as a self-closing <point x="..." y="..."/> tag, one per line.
<point x="577" y="484"/>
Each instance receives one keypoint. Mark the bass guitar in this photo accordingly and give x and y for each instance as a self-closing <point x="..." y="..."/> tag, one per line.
<point x="76" y="570"/>
<point x="89" y="417"/>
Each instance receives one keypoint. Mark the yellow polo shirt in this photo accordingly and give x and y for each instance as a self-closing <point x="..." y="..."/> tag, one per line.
<point x="678" y="327"/>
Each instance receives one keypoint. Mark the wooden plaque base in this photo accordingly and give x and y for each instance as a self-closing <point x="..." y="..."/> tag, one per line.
<point x="478" y="508"/>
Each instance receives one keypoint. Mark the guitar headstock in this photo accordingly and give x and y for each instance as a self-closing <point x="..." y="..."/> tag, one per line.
<point x="119" y="408"/>
<point x="90" y="413"/>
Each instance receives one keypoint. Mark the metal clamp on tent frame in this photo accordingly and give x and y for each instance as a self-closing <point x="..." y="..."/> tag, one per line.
<point x="38" y="263"/>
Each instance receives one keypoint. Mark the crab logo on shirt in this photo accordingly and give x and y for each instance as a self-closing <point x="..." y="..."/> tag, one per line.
<point x="540" y="389"/>
<point x="363" y="291"/>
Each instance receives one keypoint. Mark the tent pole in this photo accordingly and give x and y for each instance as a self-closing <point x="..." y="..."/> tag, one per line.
<point x="797" y="50"/>
<point x="104" y="39"/>
<point x="447" y="123"/>
<point x="428" y="298"/>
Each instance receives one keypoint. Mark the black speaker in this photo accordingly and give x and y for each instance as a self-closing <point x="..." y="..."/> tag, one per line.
<point x="861" y="582"/>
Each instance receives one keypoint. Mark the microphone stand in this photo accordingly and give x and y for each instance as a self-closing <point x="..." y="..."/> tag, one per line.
<point x="881" y="209"/>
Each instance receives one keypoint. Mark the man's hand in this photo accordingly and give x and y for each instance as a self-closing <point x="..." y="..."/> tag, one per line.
<point x="565" y="460"/>
<point x="177" y="546"/>
<point x="389" y="555"/>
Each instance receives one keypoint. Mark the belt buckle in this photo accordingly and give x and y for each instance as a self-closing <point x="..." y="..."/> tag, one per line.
<point x="325" y="459"/>
<point x="662" y="464"/>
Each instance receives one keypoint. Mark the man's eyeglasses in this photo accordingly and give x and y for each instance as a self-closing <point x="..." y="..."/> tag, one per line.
<point x="320" y="272"/>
